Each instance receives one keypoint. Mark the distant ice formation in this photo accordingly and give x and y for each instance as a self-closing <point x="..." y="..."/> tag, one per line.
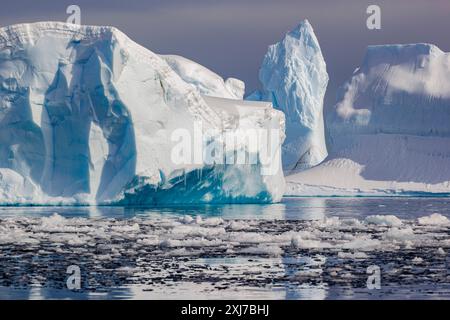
<point x="389" y="132"/>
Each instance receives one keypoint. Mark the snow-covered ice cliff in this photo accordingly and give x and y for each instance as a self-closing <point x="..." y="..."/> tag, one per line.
<point x="389" y="132"/>
<point x="87" y="116"/>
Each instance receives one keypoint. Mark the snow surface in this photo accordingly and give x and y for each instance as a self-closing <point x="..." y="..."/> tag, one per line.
<point x="206" y="81"/>
<point x="87" y="117"/>
<point x="388" y="133"/>
<point x="294" y="78"/>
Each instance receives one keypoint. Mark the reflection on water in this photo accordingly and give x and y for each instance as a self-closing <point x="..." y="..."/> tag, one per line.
<point x="288" y="209"/>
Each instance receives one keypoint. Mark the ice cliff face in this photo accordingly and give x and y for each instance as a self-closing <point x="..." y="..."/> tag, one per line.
<point x="88" y="116"/>
<point x="294" y="78"/>
<point x="389" y="131"/>
<point x="399" y="89"/>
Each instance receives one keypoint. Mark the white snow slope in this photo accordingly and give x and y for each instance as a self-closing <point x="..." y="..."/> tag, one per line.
<point x="206" y="81"/>
<point x="87" y="116"/>
<point x="389" y="132"/>
<point x="294" y="78"/>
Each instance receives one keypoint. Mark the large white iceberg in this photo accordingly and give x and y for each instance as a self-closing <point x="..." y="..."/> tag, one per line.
<point x="389" y="132"/>
<point x="88" y="116"/>
<point x="294" y="78"/>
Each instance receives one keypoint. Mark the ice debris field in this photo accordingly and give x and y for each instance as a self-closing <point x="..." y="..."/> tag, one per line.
<point x="224" y="256"/>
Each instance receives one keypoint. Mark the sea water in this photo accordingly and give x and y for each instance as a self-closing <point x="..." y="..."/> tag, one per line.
<point x="301" y="248"/>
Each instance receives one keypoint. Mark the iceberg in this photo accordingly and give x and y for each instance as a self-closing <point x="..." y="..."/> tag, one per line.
<point x="88" y="116"/>
<point x="388" y="133"/>
<point x="294" y="78"/>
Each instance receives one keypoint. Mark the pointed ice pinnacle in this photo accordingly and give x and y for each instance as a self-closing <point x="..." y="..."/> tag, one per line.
<point x="294" y="78"/>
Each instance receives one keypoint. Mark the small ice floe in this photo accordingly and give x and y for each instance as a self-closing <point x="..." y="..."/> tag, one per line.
<point x="384" y="220"/>
<point x="269" y="250"/>
<point x="417" y="260"/>
<point x="238" y="225"/>
<point x="435" y="219"/>
<point x="53" y="223"/>
<point x="352" y="255"/>
<point x="399" y="234"/>
<point x="363" y="243"/>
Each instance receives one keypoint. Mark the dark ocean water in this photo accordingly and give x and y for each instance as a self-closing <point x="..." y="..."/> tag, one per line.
<point x="302" y="248"/>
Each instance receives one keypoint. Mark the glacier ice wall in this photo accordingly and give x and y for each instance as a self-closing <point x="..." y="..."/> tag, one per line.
<point x="86" y="116"/>
<point x="399" y="89"/>
<point x="388" y="132"/>
<point x="294" y="78"/>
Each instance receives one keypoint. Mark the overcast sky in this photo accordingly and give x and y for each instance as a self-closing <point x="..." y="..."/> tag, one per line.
<point x="231" y="36"/>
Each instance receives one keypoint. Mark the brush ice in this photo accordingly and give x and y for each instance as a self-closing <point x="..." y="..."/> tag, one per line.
<point x="168" y="251"/>
<point x="260" y="237"/>
<point x="388" y="132"/>
<point x="294" y="78"/>
<point x="87" y="116"/>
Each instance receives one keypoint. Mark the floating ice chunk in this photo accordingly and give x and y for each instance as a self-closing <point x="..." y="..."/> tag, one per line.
<point x="55" y="220"/>
<point x="384" y="220"/>
<point x="270" y="250"/>
<point x="187" y="219"/>
<point x="197" y="231"/>
<point x="238" y="225"/>
<point x="194" y="243"/>
<point x="352" y="255"/>
<point x="417" y="260"/>
<point x="301" y="243"/>
<point x="181" y="252"/>
<point x="363" y="243"/>
<point x="126" y="228"/>
<point x="210" y="222"/>
<point x="433" y="220"/>
<point x="400" y="234"/>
